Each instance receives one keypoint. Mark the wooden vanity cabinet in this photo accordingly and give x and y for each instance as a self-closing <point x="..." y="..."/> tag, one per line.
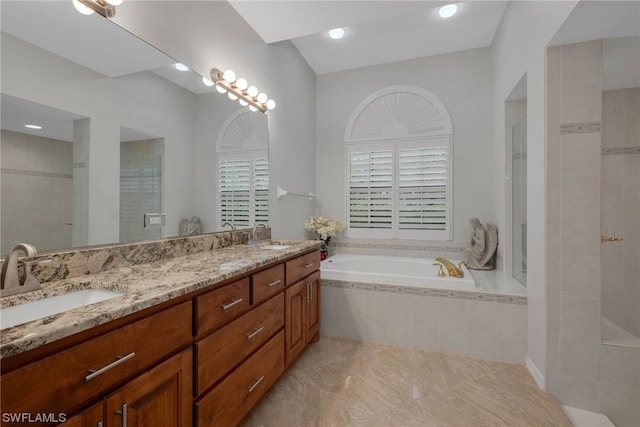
<point x="302" y="320"/>
<point x="77" y="376"/>
<point x="204" y="361"/>
<point x="161" y="397"/>
<point x="92" y="417"/>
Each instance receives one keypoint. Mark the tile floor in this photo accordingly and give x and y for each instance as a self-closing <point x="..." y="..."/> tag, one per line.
<point x="337" y="382"/>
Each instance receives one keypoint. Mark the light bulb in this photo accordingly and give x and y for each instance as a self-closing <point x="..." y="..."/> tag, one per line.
<point x="232" y="96"/>
<point x="114" y="2"/>
<point x="252" y="108"/>
<point x="243" y="102"/>
<point x="85" y="10"/>
<point x="207" y="82"/>
<point x="241" y="83"/>
<point x="220" y="89"/>
<point x="229" y="76"/>
<point x="262" y="97"/>
<point x="180" y="66"/>
<point x="448" y="10"/>
<point x="252" y="91"/>
<point x="271" y="104"/>
<point x="337" y="33"/>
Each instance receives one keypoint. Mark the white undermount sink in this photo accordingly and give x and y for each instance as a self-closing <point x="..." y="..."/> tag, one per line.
<point x="275" y="247"/>
<point x="23" y="313"/>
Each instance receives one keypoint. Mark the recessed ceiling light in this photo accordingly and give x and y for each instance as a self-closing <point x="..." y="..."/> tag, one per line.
<point x="337" y="33"/>
<point x="33" y="126"/>
<point x="181" y="67"/>
<point x="447" y="11"/>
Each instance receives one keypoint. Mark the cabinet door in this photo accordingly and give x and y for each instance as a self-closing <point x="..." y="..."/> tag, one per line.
<point x="91" y="417"/>
<point x="295" y="324"/>
<point x="313" y="307"/>
<point x="160" y="397"/>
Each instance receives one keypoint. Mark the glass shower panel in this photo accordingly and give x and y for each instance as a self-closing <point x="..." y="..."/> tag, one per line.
<point x="519" y="200"/>
<point x="620" y="210"/>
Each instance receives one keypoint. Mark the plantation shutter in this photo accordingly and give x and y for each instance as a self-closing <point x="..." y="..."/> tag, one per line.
<point x="261" y="189"/>
<point x="422" y="186"/>
<point x="399" y="189"/>
<point x="233" y="187"/>
<point x="370" y="196"/>
<point x="243" y="189"/>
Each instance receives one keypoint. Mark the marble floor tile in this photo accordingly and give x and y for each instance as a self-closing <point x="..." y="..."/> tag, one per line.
<point x="338" y="382"/>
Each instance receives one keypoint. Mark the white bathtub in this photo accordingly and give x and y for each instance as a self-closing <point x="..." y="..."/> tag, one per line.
<point x="388" y="270"/>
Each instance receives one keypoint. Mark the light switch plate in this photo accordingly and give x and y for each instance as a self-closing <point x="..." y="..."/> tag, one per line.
<point x="154" y="220"/>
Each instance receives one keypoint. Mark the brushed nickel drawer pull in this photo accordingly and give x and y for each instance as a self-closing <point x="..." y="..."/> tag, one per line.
<point x="255" y="332"/>
<point x="308" y="265"/>
<point x="274" y="283"/>
<point x="119" y="359"/>
<point x="231" y="304"/>
<point x="255" y="384"/>
<point x="124" y="414"/>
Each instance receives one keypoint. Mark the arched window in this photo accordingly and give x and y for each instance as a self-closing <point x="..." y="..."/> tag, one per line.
<point x="399" y="169"/>
<point x="242" y="170"/>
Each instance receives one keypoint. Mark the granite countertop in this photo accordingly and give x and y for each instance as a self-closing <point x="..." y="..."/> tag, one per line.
<point x="142" y="286"/>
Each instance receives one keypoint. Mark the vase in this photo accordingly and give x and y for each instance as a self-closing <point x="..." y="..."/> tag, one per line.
<point x="323" y="255"/>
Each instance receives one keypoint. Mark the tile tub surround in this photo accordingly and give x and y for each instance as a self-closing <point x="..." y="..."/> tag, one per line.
<point x="338" y="382"/>
<point x="143" y="286"/>
<point x="476" y="324"/>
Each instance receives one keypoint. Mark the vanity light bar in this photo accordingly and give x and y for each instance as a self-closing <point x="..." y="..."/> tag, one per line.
<point x="239" y="89"/>
<point x="106" y="8"/>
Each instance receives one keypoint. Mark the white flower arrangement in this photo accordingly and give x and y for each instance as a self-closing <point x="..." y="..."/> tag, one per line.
<point x="324" y="227"/>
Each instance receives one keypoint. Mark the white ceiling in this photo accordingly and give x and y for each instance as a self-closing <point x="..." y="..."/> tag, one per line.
<point x="377" y="31"/>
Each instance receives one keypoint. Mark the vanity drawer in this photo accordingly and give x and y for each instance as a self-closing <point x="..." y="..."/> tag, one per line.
<point x="221" y="306"/>
<point x="266" y="283"/>
<point x="69" y="379"/>
<point x="218" y="353"/>
<point x="229" y="402"/>
<point x="302" y="266"/>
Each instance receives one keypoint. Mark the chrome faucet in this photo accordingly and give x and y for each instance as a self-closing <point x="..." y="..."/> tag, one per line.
<point x="254" y="234"/>
<point x="233" y="227"/>
<point x="9" y="277"/>
<point x="454" y="270"/>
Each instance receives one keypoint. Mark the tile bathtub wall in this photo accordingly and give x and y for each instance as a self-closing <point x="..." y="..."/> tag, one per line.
<point x="484" y="326"/>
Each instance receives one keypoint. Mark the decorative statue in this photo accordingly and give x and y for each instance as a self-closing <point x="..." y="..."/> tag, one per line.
<point x="481" y="255"/>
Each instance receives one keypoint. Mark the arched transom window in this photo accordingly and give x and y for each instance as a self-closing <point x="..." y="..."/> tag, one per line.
<point x="398" y="157"/>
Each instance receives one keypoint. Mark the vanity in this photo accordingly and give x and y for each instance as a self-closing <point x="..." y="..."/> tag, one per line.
<point x="191" y="340"/>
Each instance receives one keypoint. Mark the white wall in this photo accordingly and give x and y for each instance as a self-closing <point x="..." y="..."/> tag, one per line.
<point x="204" y="35"/>
<point x="518" y="49"/>
<point x="462" y="81"/>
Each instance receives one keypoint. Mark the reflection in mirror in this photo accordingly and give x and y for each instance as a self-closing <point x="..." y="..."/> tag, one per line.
<point x="137" y="129"/>
<point x="516" y="150"/>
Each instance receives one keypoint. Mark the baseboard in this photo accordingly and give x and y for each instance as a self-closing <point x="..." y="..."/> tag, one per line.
<point x="536" y="374"/>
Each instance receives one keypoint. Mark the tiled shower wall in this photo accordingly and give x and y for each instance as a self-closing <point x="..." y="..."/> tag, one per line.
<point x="580" y="371"/>
<point x="36" y="171"/>
<point x="621" y="207"/>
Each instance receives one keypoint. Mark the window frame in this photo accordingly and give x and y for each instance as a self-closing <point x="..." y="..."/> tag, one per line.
<point x="396" y="146"/>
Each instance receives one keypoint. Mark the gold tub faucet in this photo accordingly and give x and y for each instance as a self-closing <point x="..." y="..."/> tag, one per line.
<point x="454" y="270"/>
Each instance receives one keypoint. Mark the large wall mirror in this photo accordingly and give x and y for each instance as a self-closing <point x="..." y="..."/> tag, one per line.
<point x="120" y="131"/>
